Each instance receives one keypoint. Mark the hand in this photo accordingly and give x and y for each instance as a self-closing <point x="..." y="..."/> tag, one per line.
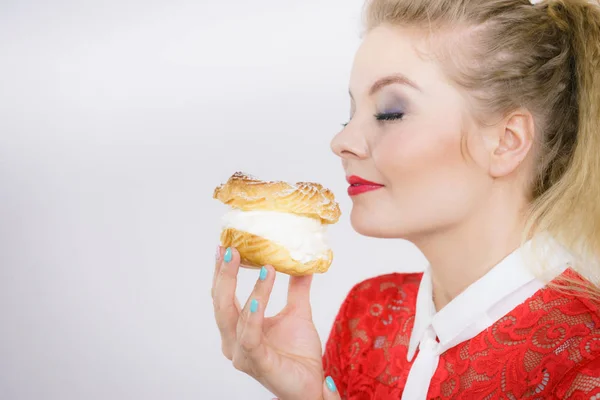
<point x="283" y="352"/>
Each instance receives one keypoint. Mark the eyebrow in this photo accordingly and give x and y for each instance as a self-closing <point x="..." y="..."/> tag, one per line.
<point x="389" y="80"/>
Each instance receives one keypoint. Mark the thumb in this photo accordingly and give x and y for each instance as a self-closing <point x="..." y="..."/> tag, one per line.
<point x="299" y="294"/>
<point x="330" y="392"/>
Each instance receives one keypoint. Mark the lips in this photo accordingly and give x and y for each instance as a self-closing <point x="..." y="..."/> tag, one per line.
<point x="359" y="185"/>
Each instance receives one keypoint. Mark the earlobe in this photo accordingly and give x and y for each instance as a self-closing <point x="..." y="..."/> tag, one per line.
<point x="514" y="143"/>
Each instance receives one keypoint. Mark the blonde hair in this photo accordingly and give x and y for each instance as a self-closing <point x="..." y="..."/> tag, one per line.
<point x="545" y="57"/>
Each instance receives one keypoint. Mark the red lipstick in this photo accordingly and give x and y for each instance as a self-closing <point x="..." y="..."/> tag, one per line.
<point x="359" y="185"/>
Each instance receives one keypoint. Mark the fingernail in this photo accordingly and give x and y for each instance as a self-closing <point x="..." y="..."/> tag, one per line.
<point x="228" y="255"/>
<point x="253" y="305"/>
<point x="263" y="274"/>
<point x="218" y="253"/>
<point x="330" y="384"/>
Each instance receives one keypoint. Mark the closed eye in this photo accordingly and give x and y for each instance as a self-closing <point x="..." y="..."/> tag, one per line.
<point x="384" y="117"/>
<point x="389" y="116"/>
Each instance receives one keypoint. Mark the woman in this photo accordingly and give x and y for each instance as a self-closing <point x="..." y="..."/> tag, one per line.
<point x="478" y="122"/>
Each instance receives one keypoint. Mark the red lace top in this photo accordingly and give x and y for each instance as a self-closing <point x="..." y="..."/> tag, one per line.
<point x="546" y="348"/>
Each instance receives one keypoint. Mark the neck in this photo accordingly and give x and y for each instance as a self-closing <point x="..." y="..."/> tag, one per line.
<point x="461" y="255"/>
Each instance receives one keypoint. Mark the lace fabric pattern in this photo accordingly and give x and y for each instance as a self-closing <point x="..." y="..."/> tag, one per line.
<point x="546" y="348"/>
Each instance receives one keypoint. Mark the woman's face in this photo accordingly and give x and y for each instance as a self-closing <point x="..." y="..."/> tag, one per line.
<point x="407" y="134"/>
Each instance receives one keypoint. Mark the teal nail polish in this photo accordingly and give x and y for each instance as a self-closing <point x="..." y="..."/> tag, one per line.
<point x="228" y="255"/>
<point x="330" y="384"/>
<point x="253" y="306"/>
<point x="263" y="274"/>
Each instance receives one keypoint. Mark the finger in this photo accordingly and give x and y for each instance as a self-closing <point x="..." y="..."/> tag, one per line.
<point x="330" y="391"/>
<point x="251" y="321"/>
<point x="218" y="263"/>
<point x="299" y="294"/>
<point x="218" y="258"/>
<point x="226" y="306"/>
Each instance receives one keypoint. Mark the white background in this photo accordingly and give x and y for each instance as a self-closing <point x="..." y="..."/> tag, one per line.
<point x="117" y="120"/>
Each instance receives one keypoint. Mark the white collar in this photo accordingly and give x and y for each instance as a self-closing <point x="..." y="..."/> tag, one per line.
<point x="473" y="305"/>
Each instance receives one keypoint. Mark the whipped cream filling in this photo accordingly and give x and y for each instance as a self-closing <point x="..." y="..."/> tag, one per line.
<point x="303" y="237"/>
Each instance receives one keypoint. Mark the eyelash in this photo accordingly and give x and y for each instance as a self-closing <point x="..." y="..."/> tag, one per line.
<point x="389" y="117"/>
<point x="385" y="117"/>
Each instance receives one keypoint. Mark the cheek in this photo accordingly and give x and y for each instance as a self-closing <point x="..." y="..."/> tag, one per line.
<point x="419" y="155"/>
<point x="428" y="179"/>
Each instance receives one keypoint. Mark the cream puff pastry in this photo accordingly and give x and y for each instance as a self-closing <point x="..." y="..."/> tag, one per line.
<point x="278" y="223"/>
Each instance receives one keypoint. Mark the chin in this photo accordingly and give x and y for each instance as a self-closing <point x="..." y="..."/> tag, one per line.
<point x="375" y="226"/>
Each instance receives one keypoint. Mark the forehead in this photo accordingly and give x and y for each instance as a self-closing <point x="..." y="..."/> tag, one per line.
<point x="388" y="50"/>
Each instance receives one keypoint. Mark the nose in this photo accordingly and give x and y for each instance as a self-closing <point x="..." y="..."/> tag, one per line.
<point x="349" y="143"/>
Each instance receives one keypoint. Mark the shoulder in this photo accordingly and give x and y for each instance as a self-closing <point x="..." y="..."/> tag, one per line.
<point x="382" y="291"/>
<point x="577" y="316"/>
<point x="567" y="301"/>
<point x="563" y="303"/>
<point x="564" y="317"/>
<point x="565" y="326"/>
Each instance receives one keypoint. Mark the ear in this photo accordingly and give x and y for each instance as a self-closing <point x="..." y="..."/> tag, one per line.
<point x="513" y="142"/>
